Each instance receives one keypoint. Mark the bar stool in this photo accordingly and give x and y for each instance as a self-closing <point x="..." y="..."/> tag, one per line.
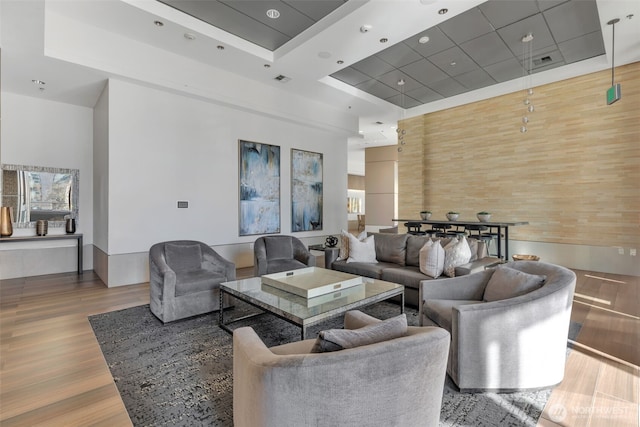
<point x="478" y="229"/>
<point x="414" y="228"/>
<point x="441" y="229"/>
<point x="490" y="235"/>
<point x="457" y="233"/>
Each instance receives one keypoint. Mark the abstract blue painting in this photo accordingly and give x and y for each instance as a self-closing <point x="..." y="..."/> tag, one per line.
<point x="259" y="188"/>
<point x="306" y="190"/>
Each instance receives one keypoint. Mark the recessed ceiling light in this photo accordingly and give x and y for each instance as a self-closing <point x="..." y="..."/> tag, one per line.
<point x="340" y="62"/>
<point x="220" y="47"/>
<point x="453" y="63"/>
<point x="365" y="28"/>
<point x="38" y="82"/>
<point x="158" y="23"/>
<point x="384" y="40"/>
<point x="267" y="66"/>
<point x="189" y="36"/>
<point x="443" y="11"/>
<point x="423" y="39"/>
<point x="273" y="13"/>
<point x="527" y="38"/>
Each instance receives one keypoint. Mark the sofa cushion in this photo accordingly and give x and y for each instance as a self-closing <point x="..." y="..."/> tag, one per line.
<point x="362" y="268"/>
<point x="508" y="283"/>
<point x="191" y="281"/>
<point x="408" y="276"/>
<point x="391" y="248"/>
<point x="278" y="247"/>
<point x="432" y="259"/>
<point x="456" y="253"/>
<point x="414" y="244"/>
<point x="440" y="311"/>
<point x="182" y="257"/>
<point x="362" y="251"/>
<point x="339" y="339"/>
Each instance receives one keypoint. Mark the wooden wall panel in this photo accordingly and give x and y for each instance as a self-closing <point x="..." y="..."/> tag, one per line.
<point x="575" y="175"/>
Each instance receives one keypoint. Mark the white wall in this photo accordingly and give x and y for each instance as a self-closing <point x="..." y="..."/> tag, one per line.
<point x="165" y="147"/>
<point x="160" y="147"/>
<point x="43" y="133"/>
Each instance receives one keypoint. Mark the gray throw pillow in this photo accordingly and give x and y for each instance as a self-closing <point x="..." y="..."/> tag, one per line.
<point x="414" y="244"/>
<point x="339" y="339"/>
<point x="183" y="257"/>
<point x="508" y="283"/>
<point x="391" y="248"/>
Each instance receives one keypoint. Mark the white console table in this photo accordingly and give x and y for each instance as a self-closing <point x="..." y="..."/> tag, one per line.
<point x="76" y="236"/>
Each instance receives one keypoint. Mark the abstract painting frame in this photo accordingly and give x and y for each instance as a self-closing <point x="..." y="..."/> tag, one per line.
<point x="306" y="190"/>
<point x="259" y="188"/>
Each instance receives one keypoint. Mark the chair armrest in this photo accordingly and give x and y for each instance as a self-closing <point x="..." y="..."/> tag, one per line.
<point x="161" y="276"/>
<point x="250" y="366"/>
<point x="302" y="254"/>
<point x="213" y="261"/>
<point x="259" y="258"/>
<point x="330" y="255"/>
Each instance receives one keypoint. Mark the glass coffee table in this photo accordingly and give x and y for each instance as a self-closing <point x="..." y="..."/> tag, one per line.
<point x="305" y="312"/>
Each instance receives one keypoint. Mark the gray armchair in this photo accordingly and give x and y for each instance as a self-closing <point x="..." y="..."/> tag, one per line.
<point x="506" y="344"/>
<point x="398" y="382"/>
<point x="273" y="254"/>
<point x="184" y="278"/>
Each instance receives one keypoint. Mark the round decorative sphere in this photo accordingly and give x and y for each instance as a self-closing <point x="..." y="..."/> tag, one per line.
<point x="331" y="241"/>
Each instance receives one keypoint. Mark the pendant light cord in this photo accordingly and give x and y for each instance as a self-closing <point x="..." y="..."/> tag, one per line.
<point x="613" y="23"/>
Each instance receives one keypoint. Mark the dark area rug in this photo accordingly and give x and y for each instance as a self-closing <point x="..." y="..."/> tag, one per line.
<point x="180" y="374"/>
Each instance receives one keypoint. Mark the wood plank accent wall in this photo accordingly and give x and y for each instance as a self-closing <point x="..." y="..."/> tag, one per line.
<point x="575" y="175"/>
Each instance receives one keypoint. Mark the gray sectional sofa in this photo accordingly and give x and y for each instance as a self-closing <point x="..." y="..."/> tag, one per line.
<point x="398" y="257"/>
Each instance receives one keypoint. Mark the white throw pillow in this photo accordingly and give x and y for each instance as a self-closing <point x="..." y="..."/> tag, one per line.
<point x="344" y="243"/>
<point x="432" y="259"/>
<point x="456" y="253"/>
<point x="362" y="251"/>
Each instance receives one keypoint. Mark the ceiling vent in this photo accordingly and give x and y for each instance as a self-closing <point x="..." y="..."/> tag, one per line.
<point x="542" y="61"/>
<point x="282" y="79"/>
<point x="546" y="59"/>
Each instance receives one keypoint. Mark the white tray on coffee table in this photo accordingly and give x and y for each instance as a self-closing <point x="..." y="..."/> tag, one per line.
<point x="311" y="282"/>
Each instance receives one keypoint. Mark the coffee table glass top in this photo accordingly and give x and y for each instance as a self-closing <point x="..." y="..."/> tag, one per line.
<point x="305" y="310"/>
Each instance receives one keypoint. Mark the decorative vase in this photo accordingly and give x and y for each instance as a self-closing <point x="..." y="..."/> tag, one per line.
<point x="425" y="215"/>
<point x="70" y="226"/>
<point x="6" y="226"/>
<point x="42" y="227"/>
<point x="452" y="216"/>
<point x="484" y="216"/>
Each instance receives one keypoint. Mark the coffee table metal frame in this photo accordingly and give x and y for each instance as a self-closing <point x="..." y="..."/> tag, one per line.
<point x="294" y="308"/>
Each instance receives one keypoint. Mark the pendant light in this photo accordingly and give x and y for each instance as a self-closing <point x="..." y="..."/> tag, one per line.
<point x="527" y="66"/>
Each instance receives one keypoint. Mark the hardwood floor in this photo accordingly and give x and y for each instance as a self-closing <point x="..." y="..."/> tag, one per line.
<point x="53" y="373"/>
